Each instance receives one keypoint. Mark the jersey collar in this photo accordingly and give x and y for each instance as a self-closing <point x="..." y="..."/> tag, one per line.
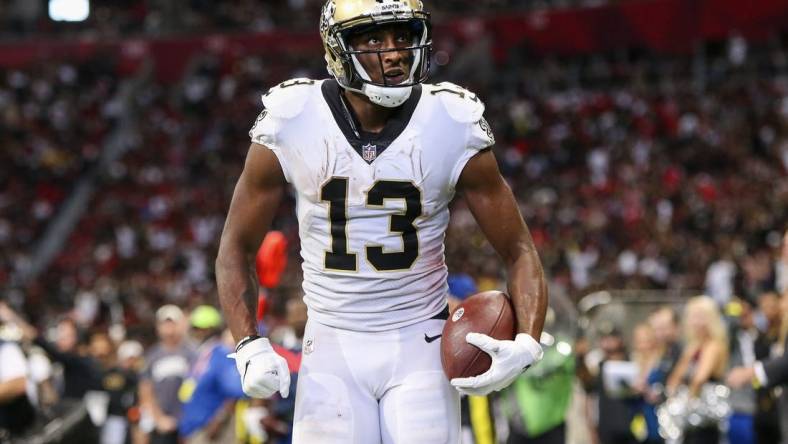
<point x="368" y="145"/>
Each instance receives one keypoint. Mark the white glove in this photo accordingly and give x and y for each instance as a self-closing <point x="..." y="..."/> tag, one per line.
<point x="262" y="371"/>
<point x="509" y="360"/>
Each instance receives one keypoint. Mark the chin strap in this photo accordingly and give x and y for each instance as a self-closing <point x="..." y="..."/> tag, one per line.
<point x="390" y="97"/>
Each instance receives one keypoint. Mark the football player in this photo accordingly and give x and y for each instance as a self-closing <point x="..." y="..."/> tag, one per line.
<point x="375" y="156"/>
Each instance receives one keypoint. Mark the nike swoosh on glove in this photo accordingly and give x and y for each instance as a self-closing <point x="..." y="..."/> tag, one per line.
<point x="509" y="360"/>
<point x="262" y="370"/>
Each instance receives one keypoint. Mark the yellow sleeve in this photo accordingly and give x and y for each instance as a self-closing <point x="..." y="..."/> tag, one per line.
<point x="481" y="420"/>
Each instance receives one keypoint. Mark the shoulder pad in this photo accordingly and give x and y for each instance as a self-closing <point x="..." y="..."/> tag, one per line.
<point x="461" y="104"/>
<point x="286" y="100"/>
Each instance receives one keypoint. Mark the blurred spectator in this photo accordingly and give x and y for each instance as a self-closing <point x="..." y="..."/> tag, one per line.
<point x="781" y="266"/>
<point x="127" y="18"/>
<point x="16" y="412"/>
<point x="130" y="362"/>
<point x="769" y="373"/>
<point x="53" y="119"/>
<point x="743" y="334"/>
<point x="720" y="277"/>
<point x="42" y="378"/>
<point x="769" y="310"/>
<point x="705" y="358"/>
<point x="662" y="332"/>
<point x="213" y="385"/>
<point x="613" y="411"/>
<point x="667" y="336"/>
<point x="767" y="415"/>
<point x="130" y="355"/>
<point x="81" y="373"/>
<point x="646" y="355"/>
<point x="119" y="381"/>
<point x="757" y="272"/>
<point x="167" y="365"/>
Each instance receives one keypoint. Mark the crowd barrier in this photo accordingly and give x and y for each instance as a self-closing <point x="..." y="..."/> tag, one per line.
<point x="69" y="424"/>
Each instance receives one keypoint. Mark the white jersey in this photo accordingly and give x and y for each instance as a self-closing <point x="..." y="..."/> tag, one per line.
<point x="372" y="208"/>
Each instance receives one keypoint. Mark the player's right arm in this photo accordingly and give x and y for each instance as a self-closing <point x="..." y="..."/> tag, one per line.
<point x="255" y="201"/>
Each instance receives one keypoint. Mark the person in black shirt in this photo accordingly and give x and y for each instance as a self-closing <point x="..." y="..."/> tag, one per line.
<point x="768" y="373"/>
<point x="121" y="386"/>
<point x="80" y="372"/>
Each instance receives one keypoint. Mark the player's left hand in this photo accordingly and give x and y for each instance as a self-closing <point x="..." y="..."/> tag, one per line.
<point x="509" y="360"/>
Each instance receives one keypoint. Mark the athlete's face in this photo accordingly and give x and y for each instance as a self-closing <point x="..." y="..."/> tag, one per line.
<point x="392" y="65"/>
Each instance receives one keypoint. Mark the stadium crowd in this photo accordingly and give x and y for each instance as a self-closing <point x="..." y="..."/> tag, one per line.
<point x="632" y="172"/>
<point x="123" y="18"/>
<point x="53" y="121"/>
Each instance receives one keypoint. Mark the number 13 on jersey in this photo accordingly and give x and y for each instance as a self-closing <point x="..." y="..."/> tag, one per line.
<point x="335" y="192"/>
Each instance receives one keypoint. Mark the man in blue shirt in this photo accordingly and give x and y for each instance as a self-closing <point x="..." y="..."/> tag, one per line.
<point x="213" y="384"/>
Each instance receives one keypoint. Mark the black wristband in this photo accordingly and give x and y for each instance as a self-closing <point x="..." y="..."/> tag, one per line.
<point x="245" y="341"/>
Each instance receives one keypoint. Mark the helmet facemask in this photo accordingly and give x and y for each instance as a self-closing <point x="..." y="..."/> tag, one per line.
<point x="418" y="55"/>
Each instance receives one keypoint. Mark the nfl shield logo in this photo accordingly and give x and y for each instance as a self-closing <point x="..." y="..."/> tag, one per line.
<point x="369" y="152"/>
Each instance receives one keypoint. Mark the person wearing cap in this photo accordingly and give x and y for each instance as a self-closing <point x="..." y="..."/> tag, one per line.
<point x="609" y="414"/>
<point x="213" y="384"/>
<point x="131" y="359"/>
<point x="130" y="354"/>
<point x="119" y="383"/>
<point x="167" y="364"/>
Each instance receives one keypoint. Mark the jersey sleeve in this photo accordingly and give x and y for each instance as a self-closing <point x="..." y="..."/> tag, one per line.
<point x="282" y="106"/>
<point x="481" y="135"/>
<point x="467" y="112"/>
<point x="264" y="132"/>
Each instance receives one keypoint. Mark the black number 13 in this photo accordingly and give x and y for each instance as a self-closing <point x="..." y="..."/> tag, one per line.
<point x="335" y="192"/>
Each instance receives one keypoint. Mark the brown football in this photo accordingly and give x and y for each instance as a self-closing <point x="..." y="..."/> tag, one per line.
<point x="489" y="312"/>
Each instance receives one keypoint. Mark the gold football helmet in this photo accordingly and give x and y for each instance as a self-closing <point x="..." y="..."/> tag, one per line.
<point x="340" y="18"/>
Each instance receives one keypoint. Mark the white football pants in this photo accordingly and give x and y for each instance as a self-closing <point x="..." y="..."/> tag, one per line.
<point x="375" y="387"/>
